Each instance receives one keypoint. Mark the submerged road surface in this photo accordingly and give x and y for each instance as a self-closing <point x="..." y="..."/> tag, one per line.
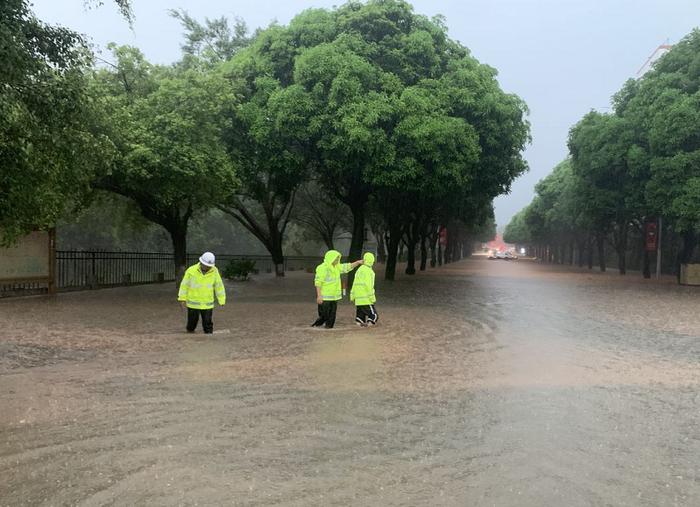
<point x="486" y="383"/>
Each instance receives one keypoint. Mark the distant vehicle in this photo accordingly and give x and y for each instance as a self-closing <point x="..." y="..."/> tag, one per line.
<point x="507" y="256"/>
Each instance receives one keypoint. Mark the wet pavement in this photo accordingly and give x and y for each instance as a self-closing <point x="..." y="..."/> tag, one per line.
<point x="486" y="383"/>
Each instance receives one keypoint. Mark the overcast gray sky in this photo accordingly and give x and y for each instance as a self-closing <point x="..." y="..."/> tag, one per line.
<point x="563" y="57"/>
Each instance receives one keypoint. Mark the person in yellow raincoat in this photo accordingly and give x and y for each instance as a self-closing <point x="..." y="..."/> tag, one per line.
<point x="328" y="287"/>
<point x="362" y="293"/>
<point x="200" y="285"/>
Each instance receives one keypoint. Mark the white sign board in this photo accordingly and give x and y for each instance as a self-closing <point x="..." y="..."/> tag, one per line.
<point x="29" y="258"/>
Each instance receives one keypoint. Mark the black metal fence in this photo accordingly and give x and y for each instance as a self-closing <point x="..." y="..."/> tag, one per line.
<point x="83" y="270"/>
<point x="23" y="289"/>
<point x="78" y="270"/>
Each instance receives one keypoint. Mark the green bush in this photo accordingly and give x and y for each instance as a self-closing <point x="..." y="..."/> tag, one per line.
<point x="239" y="269"/>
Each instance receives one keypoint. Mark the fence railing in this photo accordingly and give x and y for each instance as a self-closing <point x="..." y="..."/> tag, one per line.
<point x="77" y="270"/>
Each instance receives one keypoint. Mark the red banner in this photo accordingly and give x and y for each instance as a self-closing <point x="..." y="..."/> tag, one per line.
<point x="650" y="236"/>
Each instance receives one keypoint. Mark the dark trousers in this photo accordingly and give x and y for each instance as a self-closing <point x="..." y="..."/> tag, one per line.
<point x="193" y="318"/>
<point x="366" y="314"/>
<point x="326" y="314"/>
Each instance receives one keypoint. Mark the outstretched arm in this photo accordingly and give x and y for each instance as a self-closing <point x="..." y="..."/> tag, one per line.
<point x="347" y="267"/>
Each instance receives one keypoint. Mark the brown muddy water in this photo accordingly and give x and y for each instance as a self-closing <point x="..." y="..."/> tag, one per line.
<point x="486" y="383"/>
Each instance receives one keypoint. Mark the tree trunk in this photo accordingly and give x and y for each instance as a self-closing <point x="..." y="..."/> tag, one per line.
<point x="622" y="251"/>
<point x="412" y="240"/>
<point x="571" y="253"/>
<point x="423" y="252"/>
<point x="357" y="207"/>
<point x="589" y="250"/>
<point x="646" y="261"/>
<point x="328" y="240"/>
<point x="600" y="239"/>
<point x="275" y="248"/>
<point x="685" y="254"/>
<point x="381" y="249"/>
<point x="270" y="234"/>
<point x="411" y="258"/>
<point x="433" y="249"/>
<point x="178" y="236"/>
<point x="581" y="245"/>
<point x="392" y="253"/>
<point x="452" y="250"/>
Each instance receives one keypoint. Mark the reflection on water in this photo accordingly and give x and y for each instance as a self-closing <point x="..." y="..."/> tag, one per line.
<point x="485" y="384"/>
<point x="350" y="363"/>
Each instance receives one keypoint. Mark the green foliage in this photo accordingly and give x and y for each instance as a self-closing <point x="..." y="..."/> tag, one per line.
<point x="239" y="269"/>
<point x="641" y="162"/>
<point x="392" y="109"/>
<point x="212" y="42"/>
<point x="663" y="111"/>
<point x="167" y="124"/>
<point x="48" y="152"/>
<point x="517" y="231"/>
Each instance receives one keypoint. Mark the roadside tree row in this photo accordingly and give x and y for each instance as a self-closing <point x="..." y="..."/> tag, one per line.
<point x="364" y="116"/>
<point x="639" y="164"/>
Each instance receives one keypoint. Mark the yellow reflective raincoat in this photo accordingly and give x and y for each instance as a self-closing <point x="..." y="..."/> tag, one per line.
<point x="328" y="276"/>
<point x="198" y="289"/>
<point x="362" y="292"/>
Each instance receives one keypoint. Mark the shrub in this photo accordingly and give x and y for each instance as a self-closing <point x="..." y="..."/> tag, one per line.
<point x="239" y="269"/>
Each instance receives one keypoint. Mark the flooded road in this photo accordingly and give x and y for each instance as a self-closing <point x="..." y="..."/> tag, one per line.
<point x="486" y="383"/>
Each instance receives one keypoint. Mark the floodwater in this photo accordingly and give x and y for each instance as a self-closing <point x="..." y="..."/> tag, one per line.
<point x="486" y="383"/>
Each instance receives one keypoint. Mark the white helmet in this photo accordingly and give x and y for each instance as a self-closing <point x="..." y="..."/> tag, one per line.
<point x="207" y="259"/>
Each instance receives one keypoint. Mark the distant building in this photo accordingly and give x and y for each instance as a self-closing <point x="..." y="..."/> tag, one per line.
<point x="649" y="64"/>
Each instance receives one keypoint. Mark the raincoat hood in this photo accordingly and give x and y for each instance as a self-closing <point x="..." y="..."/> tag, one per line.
<point x="331" y="255"/>
<point x="369" y="259"/>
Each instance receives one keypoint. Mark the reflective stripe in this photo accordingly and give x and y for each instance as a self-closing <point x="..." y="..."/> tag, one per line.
<point x="362" y="292"/>
<point x="200" y="289"/>
<point x="327" y="279"/>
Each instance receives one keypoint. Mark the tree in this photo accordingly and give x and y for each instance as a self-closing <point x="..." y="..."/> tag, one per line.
<point x="48" y="154"/>
<point x="267" y="139"/>
<point x="517" y="231"/>
<point x="599" y="146"/>
<point x="436" y="156"/>
<point x="404" y="109"/>
<point x="123" y="5"/>
<point x="350" y="107"/>
<point x="212" y="42"/>
<point x="321" y="215"/>
<point x="167" y="124"/>
<point x="667" y="98"/>
<point x="351" y="76"/>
